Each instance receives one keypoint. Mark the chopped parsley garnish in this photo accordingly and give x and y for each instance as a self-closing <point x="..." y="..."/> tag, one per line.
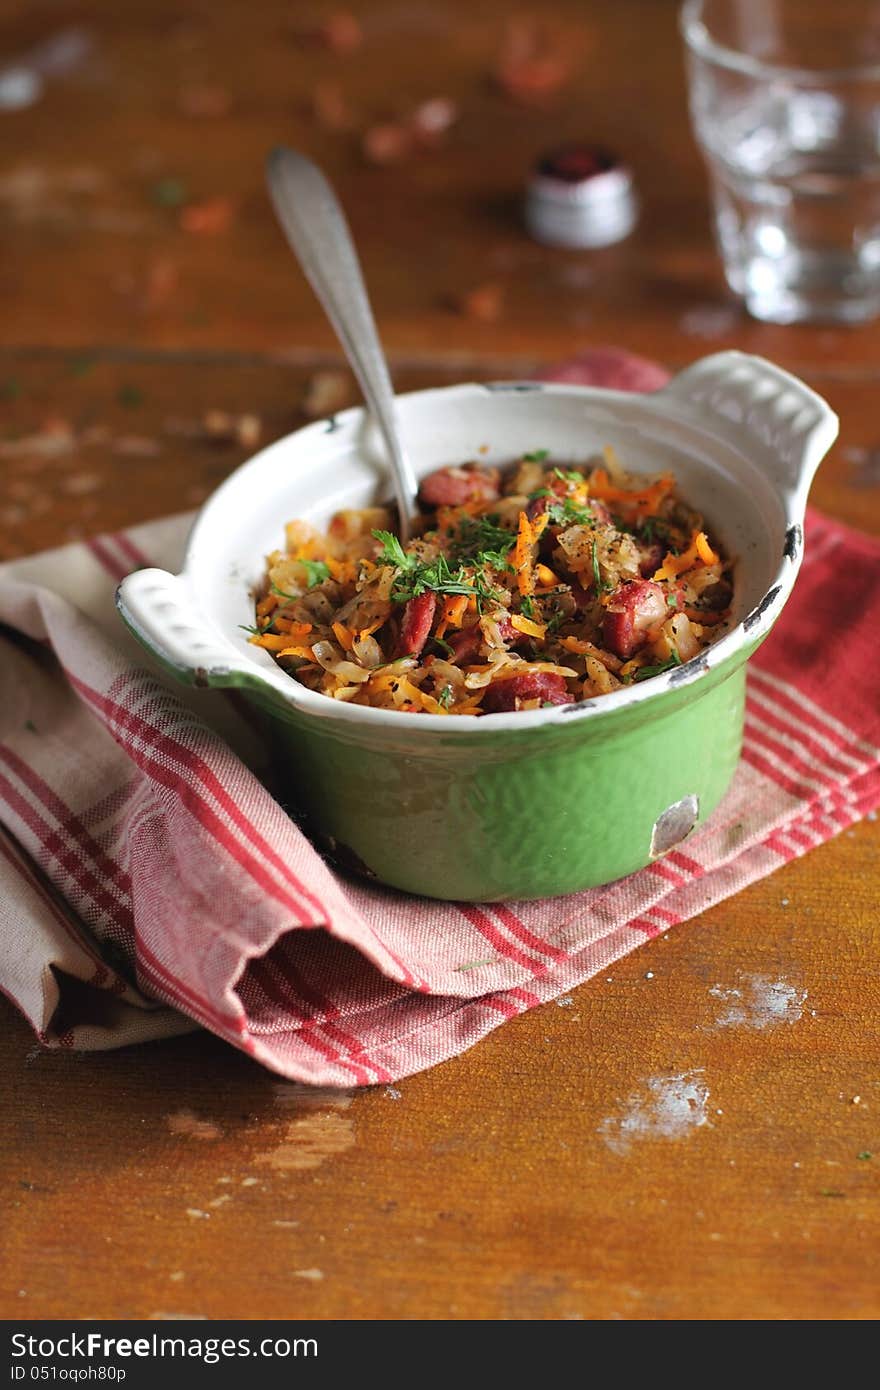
<point x="566" y="512"/>
<point x="536" y="456"/>
<point x="527" y="605"/>
<point x="653" y="528"/>
<point x="316" y="570"/>
<point x="444" y="646"/>
<point x="417" y="576"/>
<point x="445" y="697"/>
<point x="439" y="577"/>
<point x="597" y="573"/>
<point x="569" y="475"/>
<point x="254" y="631"/>
<point x="672" y="600"/>
<point x="316" y="573"/>
<point x="644" y="672"/>
<point x="483" y="541"/>
<point x="392" y="552"/>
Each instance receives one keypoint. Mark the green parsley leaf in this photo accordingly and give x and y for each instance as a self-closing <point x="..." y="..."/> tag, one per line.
<point x="566" y="512"/>
<point x="536" y="456"/>
<point x="445" y="697"/>
<point x="597" y="573"/>
<point x="483" y="540"/>
<point x="645" y="672"/>
<point x="569" y="475"/>
<point x="444" y="646"/>
<point x="316" y="570"/>
<point x="527" y="605"/>
<point x="392" y="552"/>
<point x="254" y="631"/>
<point x="437" y="576"/>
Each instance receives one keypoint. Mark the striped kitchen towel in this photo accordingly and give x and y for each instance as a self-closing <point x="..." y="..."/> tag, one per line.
<point x="150" y="883"/>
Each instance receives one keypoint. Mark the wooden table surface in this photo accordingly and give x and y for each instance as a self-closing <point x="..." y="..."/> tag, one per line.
<point x="145" y="285"/>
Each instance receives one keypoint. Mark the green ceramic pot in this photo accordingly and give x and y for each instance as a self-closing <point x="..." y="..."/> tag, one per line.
<point x="508" y="805"/>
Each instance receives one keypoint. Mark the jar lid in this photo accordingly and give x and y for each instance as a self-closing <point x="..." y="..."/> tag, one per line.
<point x="580" y="196"/>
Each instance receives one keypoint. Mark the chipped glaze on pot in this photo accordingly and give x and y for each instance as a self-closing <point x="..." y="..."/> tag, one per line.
<point x="525" y="804"/>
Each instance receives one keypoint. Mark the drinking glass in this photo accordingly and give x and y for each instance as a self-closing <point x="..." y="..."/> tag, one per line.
<point x="785" y="102"/>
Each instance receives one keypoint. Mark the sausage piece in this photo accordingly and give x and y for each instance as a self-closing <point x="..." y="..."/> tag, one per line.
<point x="453" y="486"/>
<point x="502" y="695"/>
<point x="418" y="615"/>
<point x="465" y="645"/>
<point x="634" y="608"/>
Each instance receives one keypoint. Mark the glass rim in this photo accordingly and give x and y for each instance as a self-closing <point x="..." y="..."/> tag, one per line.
<point x="701" y="42"/>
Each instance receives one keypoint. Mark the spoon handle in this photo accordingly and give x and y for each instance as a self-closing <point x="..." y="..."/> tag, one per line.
<point x="315" y="226"/>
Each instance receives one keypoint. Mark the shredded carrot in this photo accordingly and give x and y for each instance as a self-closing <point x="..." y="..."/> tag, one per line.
<point x="368" y="631"/>
<point x="576" y="645"/>
<point x="267" y="605"/>
<point x="696" y="552"/>
<point x="645" y="501"/>
<point x="344" y="636"/>
<point x="453" y="611"/>
<point x="448" y="517"/>
<point x="526" y="625"/>
<point x="705" y="551"/>
<point x="293" y="629"/>
<point x="522" y="555"/>
<point x="297" y="651"/>
<point x="270" y="641"/>
<point x="343" y="571"/>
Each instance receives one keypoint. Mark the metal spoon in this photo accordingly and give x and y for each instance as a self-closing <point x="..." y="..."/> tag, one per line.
<point x="315" y="226"/>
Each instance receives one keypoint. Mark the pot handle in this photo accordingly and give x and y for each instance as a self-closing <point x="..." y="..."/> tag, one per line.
<point x="158" y="609"/>
<point x="789" y="428"/>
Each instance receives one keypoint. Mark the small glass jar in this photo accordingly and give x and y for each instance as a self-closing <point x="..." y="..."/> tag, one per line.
<point x="580" y="196"/>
